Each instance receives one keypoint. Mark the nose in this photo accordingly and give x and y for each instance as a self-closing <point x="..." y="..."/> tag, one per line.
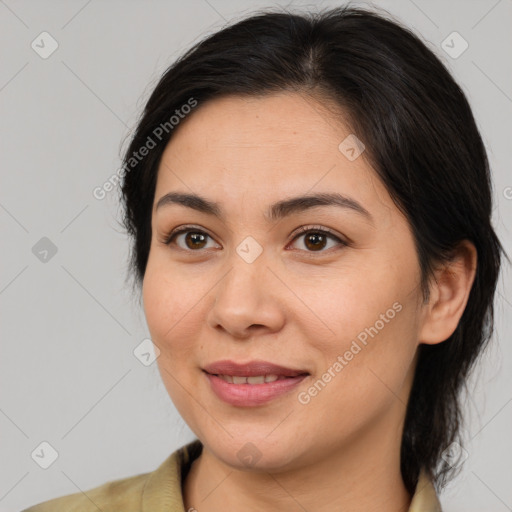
<point x="248" y="300"/>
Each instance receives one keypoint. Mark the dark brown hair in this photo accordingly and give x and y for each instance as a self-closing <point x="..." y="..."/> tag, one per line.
<point x="420" y="137"/>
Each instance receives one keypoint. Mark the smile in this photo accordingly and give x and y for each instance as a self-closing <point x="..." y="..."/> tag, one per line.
<point x="252" y="391"/>
<point x="258" y="379"/>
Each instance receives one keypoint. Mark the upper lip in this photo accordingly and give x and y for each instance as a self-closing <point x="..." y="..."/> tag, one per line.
<point x="251" y="369"/>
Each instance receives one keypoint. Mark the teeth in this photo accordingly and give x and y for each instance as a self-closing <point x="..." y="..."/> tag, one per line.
<point x="260" y="379"/>
<point x="256" y="380"/>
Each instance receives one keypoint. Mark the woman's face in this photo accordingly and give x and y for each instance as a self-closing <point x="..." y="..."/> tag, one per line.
<point x="343" y="308"/>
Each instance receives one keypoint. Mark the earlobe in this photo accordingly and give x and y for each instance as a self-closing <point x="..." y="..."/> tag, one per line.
<point x="449" y="293"/>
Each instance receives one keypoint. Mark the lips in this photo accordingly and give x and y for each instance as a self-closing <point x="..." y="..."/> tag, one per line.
<point x="251" y="369"/>
<point x="252" y="384"/>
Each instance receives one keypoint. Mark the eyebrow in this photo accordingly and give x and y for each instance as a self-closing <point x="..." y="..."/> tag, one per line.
<point x="276" y="211"/>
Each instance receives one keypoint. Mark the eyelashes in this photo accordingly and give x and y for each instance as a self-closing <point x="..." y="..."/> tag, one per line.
<point x="170" y="238"/>
<point x="318" y="230"/>
<point x="202" y="236"/>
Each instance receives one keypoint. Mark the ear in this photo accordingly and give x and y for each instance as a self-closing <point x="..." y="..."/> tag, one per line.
<point x="449" y="293"/>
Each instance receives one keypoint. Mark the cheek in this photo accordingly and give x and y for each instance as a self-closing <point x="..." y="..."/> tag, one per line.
<point x="168" y="314"/>
<point x="364" y="371"/>
<point x="370" y="319"/>
<point x="341" y="309"/>
<point x="168" y="308"/>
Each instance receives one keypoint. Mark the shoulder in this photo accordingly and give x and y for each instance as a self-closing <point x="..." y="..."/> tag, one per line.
<point x="425" y="498"/>
<point x="155" y="491"/>
<point x="122" y="494"/>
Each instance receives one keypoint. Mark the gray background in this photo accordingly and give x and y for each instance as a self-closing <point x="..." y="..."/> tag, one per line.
<point x="69" y="325"/>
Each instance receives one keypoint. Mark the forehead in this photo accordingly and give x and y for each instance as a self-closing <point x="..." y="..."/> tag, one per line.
<point x="271" y="123"/>
<point x="277" y="145"/>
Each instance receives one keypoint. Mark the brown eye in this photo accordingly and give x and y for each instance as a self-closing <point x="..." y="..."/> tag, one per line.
<point x="188" y="239"/>
<point x="195" y="240"/>
<point x="316" y="240"/>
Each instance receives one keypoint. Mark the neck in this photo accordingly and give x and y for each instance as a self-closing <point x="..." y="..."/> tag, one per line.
<point x="361" y="475"/>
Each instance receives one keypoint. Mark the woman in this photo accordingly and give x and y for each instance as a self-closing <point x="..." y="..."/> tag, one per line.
<point x="310" y="201"/>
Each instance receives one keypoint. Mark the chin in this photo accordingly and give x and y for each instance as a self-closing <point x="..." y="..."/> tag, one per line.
<point x="247" y="452"/>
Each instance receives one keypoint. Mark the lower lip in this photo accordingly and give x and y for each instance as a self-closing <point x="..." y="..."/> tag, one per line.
<point x="251" y="395"/>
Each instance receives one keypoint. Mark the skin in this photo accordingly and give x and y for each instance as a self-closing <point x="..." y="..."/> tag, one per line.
<point x="294" y="306"/>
